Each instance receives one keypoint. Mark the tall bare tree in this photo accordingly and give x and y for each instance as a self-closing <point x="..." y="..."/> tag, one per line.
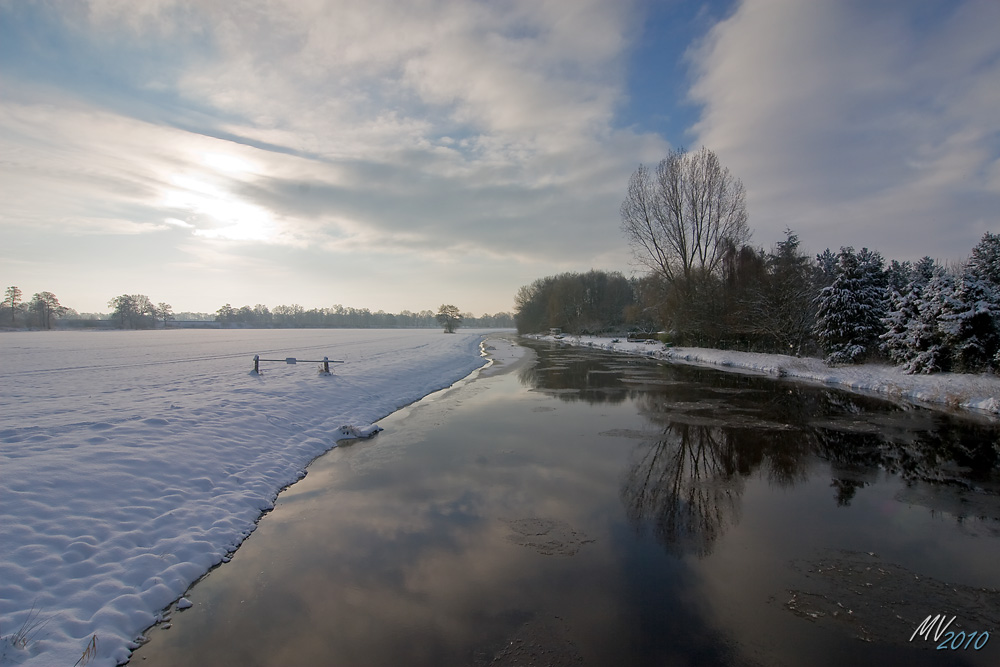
<point x="13" y="297"/>
<point x="681" y="219"/>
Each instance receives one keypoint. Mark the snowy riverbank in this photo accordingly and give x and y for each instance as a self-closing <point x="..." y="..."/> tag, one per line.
<point x="133" y="462"/>
<point x="978" y="393"/>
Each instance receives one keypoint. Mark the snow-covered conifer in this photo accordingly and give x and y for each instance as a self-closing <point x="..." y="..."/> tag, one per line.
<point x="850" y="310"/>
<point x="923" y="270"/>
<point x="985" y="259"/>
<point x="826" y="269"/>
<point x="928" y="351"/>
<point x="902" y="311"/>
<point x="899" y="275"/>
<point x="903" y="308"/>
<point x="969" y="322"/>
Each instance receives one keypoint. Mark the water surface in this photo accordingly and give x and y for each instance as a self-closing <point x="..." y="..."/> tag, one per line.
<point x="592" y="508"/>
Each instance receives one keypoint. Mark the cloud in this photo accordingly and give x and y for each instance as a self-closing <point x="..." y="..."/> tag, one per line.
<point x="414" y="122"/>
<point x="858" y="123"/>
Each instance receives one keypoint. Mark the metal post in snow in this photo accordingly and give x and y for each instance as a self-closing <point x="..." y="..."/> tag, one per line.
<point x="256" y="363"/>
<point x="326" y="364"/>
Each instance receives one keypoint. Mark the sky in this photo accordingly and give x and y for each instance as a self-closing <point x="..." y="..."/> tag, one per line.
<point x="398" y="155"/>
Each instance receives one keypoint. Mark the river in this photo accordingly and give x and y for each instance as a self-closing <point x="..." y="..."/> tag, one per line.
<point x="585" y="508"/>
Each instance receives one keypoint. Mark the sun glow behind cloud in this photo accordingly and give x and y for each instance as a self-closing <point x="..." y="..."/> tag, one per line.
<point x="214" y="212"/>
<point x="228" y="163"/>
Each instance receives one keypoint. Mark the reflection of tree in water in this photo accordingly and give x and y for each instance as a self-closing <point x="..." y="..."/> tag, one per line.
<point x="685" y="485"/>
<point x="688" y="484"/>
<point x="930" y="448"/>
<point x="719" y="428"/>
<point x="576" y="376"/>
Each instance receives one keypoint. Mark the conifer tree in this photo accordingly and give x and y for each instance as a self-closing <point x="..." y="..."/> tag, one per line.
<point x="968" y="322"/>
<point x="928" y="351"/>
<point x="903" y="310"/>
<point x="985" y="259"/>
<point x="826" y="269"/>
<point x="899" y="275"/>
<point x="850" y="310"/>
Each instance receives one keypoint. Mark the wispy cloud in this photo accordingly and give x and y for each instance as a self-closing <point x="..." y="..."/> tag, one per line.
<point x="859" y="123"/>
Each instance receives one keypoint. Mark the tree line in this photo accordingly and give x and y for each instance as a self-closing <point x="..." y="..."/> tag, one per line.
<point x="138" y="311"/>
<point x="686" y="222"/>
<point x="338" y="316"/>
<point x="592" y="303"/>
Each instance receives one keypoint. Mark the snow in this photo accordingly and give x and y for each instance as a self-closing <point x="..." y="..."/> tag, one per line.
<point x="979" y="393"/>
<point x="133" y="462"/>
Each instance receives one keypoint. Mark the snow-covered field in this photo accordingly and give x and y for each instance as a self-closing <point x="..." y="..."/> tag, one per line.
<point x="133" y="462"/>
<point x="979" y="393"/>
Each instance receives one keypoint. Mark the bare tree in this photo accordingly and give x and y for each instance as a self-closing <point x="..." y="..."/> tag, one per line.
<point x="135" y="310"/>
<point x="13" y="297"/>
<point x="165" y="312"/>
<point x="449" y="317"/>
<point x="123" y="308"/>
<point x="47" y="306"/>
<point x="681" y="220"/>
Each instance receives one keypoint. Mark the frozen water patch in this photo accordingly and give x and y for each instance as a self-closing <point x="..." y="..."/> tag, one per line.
<point x="878" y="601"/>
<point x="549" y="537"/>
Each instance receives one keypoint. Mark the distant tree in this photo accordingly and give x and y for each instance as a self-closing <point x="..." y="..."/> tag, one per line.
<point x="47" y="306"/>
<point x="164" y="312"/>
<point x="122" y="309"/>
<point x="262" y="316"/>
<point x="589" y="302"/>
<point x="530" y="306"/>
<point x="12" y="296"/>
<point x="449" y="317"/>
<point x="287" y="316"/>
<point x="225" y="315"/>
<point x="144" y="315"/>
<point x="133" y="311"/>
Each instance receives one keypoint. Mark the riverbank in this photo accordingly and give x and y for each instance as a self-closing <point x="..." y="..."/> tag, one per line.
<point x="975" y="393"/>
